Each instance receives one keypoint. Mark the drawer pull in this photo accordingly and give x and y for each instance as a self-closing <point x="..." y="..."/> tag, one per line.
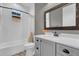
<point x="37" y="40"/>
<point x="37" y="48"/>
<point x="66" y="51"/>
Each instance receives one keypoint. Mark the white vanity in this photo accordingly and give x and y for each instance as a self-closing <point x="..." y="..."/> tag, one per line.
<point x="64" y="45"/>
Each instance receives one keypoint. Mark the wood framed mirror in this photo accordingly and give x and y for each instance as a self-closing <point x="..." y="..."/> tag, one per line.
<point x="64" y="16"/>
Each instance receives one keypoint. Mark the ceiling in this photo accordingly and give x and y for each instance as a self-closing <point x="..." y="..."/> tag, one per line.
<point x="27" y="5"/>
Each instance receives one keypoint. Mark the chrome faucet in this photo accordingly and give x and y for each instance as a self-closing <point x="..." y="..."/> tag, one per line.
<point x="56" y="34"/>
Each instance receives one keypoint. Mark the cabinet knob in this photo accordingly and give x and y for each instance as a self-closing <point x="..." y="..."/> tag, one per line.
<point x="66" y="51"/>
<point x="37" y="40"/>
<point x="37" y="48"/>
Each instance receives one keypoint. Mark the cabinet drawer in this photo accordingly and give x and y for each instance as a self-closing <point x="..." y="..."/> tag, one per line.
<point x="66" y="50"/>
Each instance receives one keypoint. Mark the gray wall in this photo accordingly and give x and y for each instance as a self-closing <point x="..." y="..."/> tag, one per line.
<point x="39" y="19"/>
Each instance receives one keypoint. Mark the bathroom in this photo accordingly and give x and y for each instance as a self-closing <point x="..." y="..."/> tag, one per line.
<point x="39" y="29"/>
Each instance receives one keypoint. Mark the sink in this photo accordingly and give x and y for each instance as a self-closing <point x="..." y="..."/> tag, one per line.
<point x="45" y="36"/>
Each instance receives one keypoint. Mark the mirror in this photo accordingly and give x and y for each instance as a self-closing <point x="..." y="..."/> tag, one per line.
<point x="61" y="17"/>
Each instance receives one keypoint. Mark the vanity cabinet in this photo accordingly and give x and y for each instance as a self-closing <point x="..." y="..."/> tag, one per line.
<point x="44" y="47"/>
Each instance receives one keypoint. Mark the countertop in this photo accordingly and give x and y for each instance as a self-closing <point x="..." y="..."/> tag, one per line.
<point x="69" y="40"/>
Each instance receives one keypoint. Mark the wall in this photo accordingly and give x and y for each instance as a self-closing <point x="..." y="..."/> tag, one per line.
<point x="13" y="36"/>
<point x="40" y="19"/>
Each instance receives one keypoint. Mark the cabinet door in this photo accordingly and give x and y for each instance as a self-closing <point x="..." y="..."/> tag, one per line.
<point x="47" y="48"/>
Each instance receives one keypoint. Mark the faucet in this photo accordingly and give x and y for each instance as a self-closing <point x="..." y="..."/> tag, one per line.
<point x="56" y="34"/>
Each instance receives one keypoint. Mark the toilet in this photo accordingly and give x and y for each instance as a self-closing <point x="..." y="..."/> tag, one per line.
<point x="30" y="50"/>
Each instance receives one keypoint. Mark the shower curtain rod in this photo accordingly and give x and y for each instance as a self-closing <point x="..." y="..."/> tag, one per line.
<point x="15" y="9"/>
